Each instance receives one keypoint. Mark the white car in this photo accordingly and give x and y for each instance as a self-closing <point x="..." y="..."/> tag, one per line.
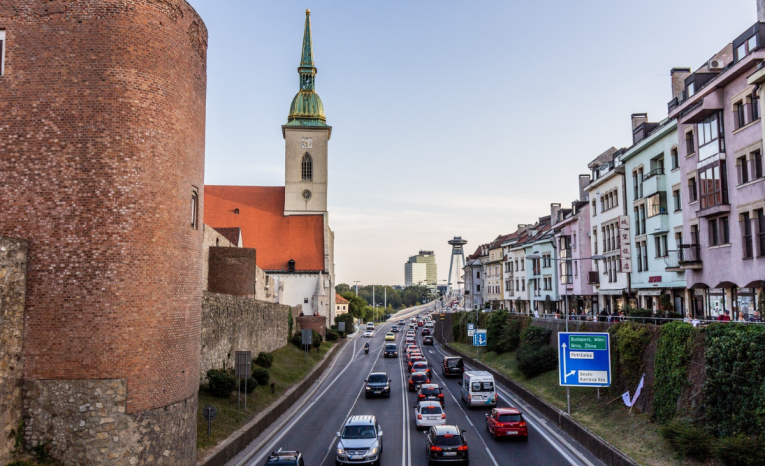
<point x="369" y="334"/>
<point x="429" y="414"/>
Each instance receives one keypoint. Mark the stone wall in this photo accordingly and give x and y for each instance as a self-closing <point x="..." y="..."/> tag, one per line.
<point x="85" y="422"/>
<point x="13" y="268"/>
<point x="232" y="323"/>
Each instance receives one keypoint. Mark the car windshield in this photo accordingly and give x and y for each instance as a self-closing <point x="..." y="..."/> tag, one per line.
<point x="431" y="391"/>
<point x="378" y="378"/>
<point x="454" y="363"/>
<point x="390" y="347"/>
<point x="448" y="440"/>
<point x="483" y="386"/>
<point x="430" y="410"/>
<point x="510" y="418"/>
<point x="351" y="432"/>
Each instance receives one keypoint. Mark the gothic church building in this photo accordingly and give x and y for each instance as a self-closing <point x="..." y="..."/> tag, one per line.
<point x="288" y="225"/>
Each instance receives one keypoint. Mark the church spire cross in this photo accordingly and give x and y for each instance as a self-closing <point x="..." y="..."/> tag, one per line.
<point x="306" y="108"/>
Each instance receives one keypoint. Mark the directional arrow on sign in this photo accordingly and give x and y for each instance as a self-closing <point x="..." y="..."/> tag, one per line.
<point x="565" y="375"/>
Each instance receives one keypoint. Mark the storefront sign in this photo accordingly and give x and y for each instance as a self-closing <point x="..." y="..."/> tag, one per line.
<point x="655" y="279"/>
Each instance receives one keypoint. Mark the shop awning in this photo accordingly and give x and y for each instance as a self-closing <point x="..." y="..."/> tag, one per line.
<point x="726" y="285"/>
<point x="611" y="292"/>
<point x="756" y="284"/>
<point x="698" y="286"/>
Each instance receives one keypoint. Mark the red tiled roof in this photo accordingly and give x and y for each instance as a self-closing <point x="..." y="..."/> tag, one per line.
<point x="231" y="234"/>
<point x="340" y="300"/>
<point x="264" y="227"/>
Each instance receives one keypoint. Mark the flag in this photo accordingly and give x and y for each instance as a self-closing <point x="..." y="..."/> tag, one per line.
<point x="626" y="399"/>
<point x="637" y="392"/>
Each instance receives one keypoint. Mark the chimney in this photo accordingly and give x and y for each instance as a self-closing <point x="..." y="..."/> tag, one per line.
<point x="638" y="119"/>
<point x="554" y="208"/>
<point x="679" y="74"/>
<point x="761" y="11"/>
<point x="522" y="226"/>
<point x="584" y="180"/>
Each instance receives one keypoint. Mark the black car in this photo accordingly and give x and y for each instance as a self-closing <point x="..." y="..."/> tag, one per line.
<point x="417" y="379"/>
<point x="431" y="392"/>
<point x="446" y="444"/>
<point x="453" y="365"/>
<point x="427" y="331"/>
<point x="285" y="458"/>
<point x="391" y="350"/>
<point x="427" y="340"/>
<point x="378" y="384"/>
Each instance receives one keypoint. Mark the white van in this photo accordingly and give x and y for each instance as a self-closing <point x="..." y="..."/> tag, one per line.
<point x="478" y="389"/>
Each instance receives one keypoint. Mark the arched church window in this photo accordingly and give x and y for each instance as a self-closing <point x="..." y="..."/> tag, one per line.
<point x="307" y="165"/>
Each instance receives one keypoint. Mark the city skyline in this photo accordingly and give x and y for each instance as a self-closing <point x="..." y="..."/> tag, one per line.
<point x="394" y="183"/>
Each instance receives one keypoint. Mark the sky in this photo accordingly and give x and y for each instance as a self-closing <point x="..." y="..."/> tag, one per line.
<point x="449" y="118"/>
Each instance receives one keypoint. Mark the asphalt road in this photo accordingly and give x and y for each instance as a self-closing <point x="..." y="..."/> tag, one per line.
<point x="311" y="428"/>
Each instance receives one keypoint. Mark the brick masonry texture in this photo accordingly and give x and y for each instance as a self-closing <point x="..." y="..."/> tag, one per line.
<point x="85" y="422"/>
<point x="232" y="271"/>
<point x="13" y="267"/>
<point x="102" y="125"/>
<point x="231" y="323"/>
<point x="317" y="323"/>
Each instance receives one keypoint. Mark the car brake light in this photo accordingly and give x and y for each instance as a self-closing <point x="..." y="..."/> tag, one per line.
<point x="522" y="424"/>
<point x="422" y="396"/>
<point x="435" y="448"/>
<point x="440" y="395"/>
<point x="419" y="416"/>
<point x="443" y="416"/>
<point x="462" y="448"/>
<point x="470" y="397"/>
<point x="427" y="381"/>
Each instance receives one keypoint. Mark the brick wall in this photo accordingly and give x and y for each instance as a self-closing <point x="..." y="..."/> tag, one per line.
<point x="317" y="323"/>
<point x="232" y="271"/>
<point x="100" y="155"/>
<point x="13" y="266"/>
<point x="233" y="323"/>
<point x="211" y="238"/>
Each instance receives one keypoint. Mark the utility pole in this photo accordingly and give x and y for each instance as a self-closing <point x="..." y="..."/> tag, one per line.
<point x="357" y="288"/>
<point x="373" y="304"/>
<point x="386" y="297"/>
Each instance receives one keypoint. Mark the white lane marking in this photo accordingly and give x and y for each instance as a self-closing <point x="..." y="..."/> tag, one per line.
<point x="405" y="429"/>
<point x="276" y="429"/>
<point x="542" y="427"/>
<point x="406" y="452"/>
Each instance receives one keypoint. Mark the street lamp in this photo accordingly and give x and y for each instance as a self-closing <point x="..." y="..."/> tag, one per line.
<point x="536" y="256"/>
<point x="357" y="287"/>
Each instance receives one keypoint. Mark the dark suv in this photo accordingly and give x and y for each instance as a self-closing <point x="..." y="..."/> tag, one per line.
<point x="378" y="384"/>
<point x="446" y="444"/>
<point x="453" y="365"/>
<point x="285" y="458"/>
<point x="391" y="351"/>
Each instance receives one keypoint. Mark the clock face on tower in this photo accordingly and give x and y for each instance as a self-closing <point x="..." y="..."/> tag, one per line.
<point x="306" y="143"/>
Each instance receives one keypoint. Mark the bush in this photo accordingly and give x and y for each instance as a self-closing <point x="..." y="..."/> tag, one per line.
<point x="221" y="383"/>
<point x="494" y="327"/>
<point x="331" y="336"/>
<point x="262" y="376"/>
<point x="536" y="337"/>
<point x="348" y="319"/>
<point x="316" y="339"/>
<point x="535" y="361"/>
<point x="297" y="340"/>
<point x="341" y="334"/>
<point x="251" y="384"/>
<point x="740" y="450"/>
<point x="688" y="440"/>
<point x="629" y="341"/>
<point x="641" y="313"/>
<point x="511" y="336"/>
<point x="673" y="352"/>
<point x="264" y="359"/>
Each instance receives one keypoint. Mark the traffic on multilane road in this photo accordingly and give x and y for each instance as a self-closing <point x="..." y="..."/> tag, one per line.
<point x="420" y="406"/>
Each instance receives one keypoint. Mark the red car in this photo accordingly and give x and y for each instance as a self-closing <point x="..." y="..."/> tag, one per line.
<point x="420" y="324"/>
<point x="506" y="422"/>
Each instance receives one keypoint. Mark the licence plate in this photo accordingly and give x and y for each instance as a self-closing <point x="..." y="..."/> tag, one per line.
<point x="377" y="391"/>
<point x="432" y="418"/>
<point x="450" y="453"/>
<point x="356" y="457"/>
<point x="511" y="432"/>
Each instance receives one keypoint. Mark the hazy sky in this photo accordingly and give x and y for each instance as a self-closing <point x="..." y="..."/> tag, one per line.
<point x="449" y="117"/>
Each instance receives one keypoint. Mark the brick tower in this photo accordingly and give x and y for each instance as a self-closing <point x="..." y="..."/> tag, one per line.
<point x="102" y="125"/>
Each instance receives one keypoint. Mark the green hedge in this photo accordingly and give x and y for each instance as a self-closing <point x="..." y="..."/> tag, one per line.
<point x="671" y="368"/>
<point x="262" y="376"/>
<point x="628" y="343"/>
<point x="535" y="361"/>
<point x="264" y="359"/>
<point x="221" y="383"/>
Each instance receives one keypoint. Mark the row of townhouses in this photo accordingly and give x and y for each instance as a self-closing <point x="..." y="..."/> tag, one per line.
<point x="674" y="222"/>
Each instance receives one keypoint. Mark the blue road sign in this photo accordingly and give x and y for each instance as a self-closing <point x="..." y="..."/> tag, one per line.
<point x="584" y="359"/>
<point x="479" y="337"/>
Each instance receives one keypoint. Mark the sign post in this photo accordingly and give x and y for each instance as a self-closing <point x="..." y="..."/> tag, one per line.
<point x="584" y="361"/>
<point x="341" y="326"/>
<point x="471" y="330"/>
<point x="307" y="334"/>
<point x="479" y="339"/>
<point x="242" y="371"/>
<point x="209" y="412"/>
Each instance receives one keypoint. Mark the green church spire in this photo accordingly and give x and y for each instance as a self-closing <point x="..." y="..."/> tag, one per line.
<point x="306" y="108"/>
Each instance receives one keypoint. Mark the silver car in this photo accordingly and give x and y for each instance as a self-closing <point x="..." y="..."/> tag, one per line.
<point x="360" y="441"/>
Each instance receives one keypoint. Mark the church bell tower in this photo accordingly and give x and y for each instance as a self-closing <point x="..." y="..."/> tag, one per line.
<point x="306" y="136"/>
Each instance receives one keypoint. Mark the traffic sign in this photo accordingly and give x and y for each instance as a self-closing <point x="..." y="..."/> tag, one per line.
<point x="479" y="337"/>
<point x="471" y="329"/>
<point x="584" y="359"/>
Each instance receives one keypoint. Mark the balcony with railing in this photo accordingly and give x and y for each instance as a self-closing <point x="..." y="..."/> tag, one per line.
<point x="654" y="182"/>
<point x="686" y="257"/>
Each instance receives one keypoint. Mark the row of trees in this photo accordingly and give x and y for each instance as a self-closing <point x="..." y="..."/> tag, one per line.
<point x="396" y="299"/>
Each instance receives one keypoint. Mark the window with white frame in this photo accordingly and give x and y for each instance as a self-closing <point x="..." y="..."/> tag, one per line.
<point x="2" y="53"/>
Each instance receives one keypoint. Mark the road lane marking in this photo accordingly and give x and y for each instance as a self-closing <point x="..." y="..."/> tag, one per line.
<point x="542" y="427"/>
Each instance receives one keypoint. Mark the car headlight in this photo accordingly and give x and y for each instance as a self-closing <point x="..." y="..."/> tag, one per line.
<point x="367" y="388"/>
<point x="372" y="451"/>
<point x="340" y="450"/>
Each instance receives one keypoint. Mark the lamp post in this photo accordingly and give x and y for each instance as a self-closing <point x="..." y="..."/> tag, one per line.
<point x="536" y="256"/>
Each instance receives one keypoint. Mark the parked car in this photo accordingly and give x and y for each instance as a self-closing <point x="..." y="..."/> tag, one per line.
<point x="285" y="458"/>
<point x="446" y="444"/>
<point x="416" y="380"/>
<point x="452" y="365"/>
<point x="427" y="340"/>
<point x="360" y="442"/>
<point x="506" y="422"/>
<point x="431" y="392"/>
<point x="429" y="414"/>
<point x="377" y="384"/>
<point x="391" y="351"/>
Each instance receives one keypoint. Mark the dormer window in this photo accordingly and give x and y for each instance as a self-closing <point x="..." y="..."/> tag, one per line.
<point x="746" y="47"/>
<point x="691" y="89"/>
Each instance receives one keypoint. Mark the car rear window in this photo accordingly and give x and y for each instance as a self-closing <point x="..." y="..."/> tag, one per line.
<point x="454" y="363"/>
<point x="430" y="410"/>
<point x="483" y="386"/>
<point x="431" y="391"/>
<point x="419" y="378"/>
<point x="510" y="418"/>
<point x="421" y="364"/>
<point x="448" y="440"/>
